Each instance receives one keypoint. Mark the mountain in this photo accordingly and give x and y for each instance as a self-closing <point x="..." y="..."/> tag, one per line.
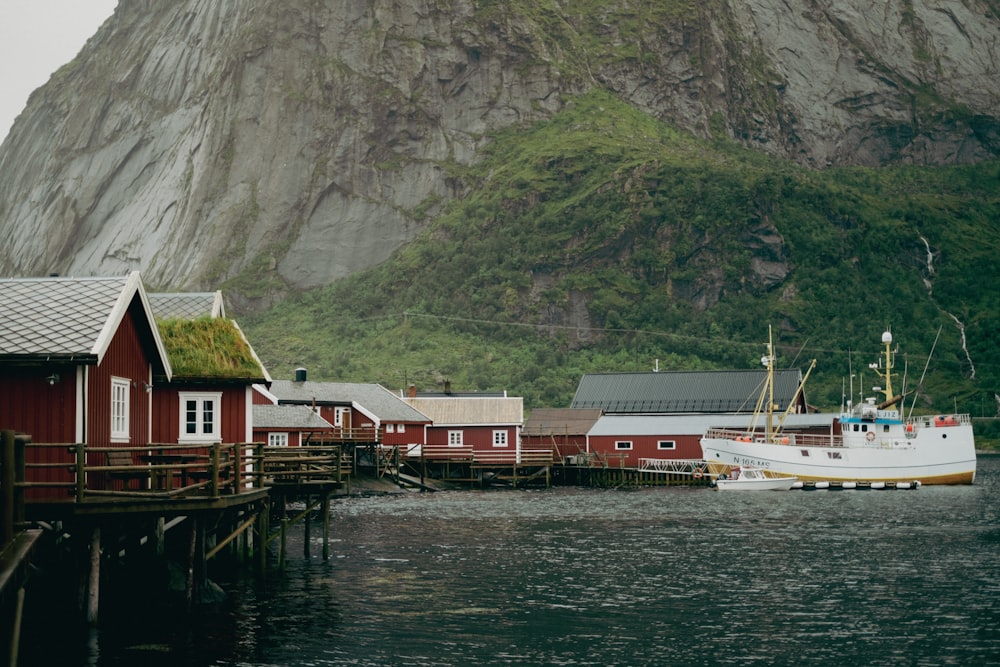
<point x="275" y="147"/>
<point x="507" y="194"/>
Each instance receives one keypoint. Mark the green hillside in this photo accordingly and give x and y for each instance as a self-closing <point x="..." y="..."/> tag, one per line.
<point x="603" y="240"/>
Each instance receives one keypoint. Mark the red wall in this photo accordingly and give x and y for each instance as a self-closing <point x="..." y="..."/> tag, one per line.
<point x="167" y="415"/>
<point x="480" y="438"/>
<point x="125" y="358"/>
<point x="645" y="447"/>
<point x="48" y="413"/>
<point x="413" y="435"/>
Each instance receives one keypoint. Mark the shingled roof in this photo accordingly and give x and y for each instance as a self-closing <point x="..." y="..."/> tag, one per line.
<point x="470" y="410"/>
<point x="373" y="399"/>
<point x="187" y="305"/>
<point x="73" y="319"/>
<point x="288" y="416"/>
<point x="560" y="421"/>
<point x="682" y="391"/>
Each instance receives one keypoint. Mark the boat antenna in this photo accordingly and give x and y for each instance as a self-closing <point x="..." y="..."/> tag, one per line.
<point x="887" y="374"/>
<point x="922" y="375"/>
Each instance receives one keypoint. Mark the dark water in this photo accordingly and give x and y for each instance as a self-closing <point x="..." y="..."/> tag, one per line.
<point x="586" y="577"/>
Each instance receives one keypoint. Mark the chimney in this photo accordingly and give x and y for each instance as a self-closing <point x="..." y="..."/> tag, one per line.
<point x="412" y="393"/>
<point x="300" y="375"/>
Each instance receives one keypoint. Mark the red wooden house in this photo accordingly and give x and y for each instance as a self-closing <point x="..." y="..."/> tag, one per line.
<point x="475" y="422"/>
<point x="208" y="399"/>
<point x="289" y="425"/>
<point x="662" y="415"/>
<point x="563" y="430"/>
<point x="360" y="412"/>
<point x="77" y="359"/>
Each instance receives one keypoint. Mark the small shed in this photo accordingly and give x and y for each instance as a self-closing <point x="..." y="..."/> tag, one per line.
<point x="563" y="430"/>
<point x="288" y="425"/>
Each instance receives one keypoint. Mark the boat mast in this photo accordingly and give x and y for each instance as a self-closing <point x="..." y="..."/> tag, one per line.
<point x="886" y="376"/>
<point x="769" y="362"/>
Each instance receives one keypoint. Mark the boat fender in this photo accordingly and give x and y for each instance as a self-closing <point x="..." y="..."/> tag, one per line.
<point x="697" y="474"/>
<point x="870" y="436"/>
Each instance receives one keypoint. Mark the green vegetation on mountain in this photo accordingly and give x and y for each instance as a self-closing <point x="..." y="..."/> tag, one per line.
<point x="604" y="241"/>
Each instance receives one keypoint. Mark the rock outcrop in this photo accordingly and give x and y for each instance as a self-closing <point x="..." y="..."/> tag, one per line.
<point x="278" y="146"/>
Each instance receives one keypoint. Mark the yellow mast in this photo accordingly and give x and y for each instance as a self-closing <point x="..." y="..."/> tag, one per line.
<point x="886" y="376"/>
<point x="770" y="384"/>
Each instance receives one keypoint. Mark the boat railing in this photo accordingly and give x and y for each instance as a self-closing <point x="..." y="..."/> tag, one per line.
<point x="781" y="438"/>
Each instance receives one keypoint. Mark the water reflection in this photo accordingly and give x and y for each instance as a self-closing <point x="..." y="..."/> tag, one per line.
<point x="585" y="577"/>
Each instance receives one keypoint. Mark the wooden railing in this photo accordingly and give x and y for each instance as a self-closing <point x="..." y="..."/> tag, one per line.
<point x="80" y="473"/>
<point x="296" y="465"/>
<point x="440" y="453"/>
<point x="493" y="457"/>
<point x="525" y="457"/>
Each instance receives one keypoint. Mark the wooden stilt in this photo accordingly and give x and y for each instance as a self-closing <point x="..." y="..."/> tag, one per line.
<point x="325" y="517"/>
<point x="94" y="581"/>
<point x="192" y="542"/>
<point x="284" y="542"/>
<point x="15" y="632"/>
<point x="307" y="529"/>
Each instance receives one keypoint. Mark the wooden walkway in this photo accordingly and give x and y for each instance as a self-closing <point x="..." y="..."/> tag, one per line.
<point x="189" y="503"/>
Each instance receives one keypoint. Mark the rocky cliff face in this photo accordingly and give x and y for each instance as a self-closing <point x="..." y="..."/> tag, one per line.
<point x="269" y="146"/>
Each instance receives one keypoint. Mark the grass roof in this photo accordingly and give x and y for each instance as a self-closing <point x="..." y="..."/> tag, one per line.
<point x="208" y="347"/>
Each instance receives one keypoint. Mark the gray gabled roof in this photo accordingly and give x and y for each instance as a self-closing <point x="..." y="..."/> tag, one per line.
<point x="72" y="319"/>
<point x="682" y="391"/>
<point x="471" y="410"/>
<point x="187" y="305"/>
<point x="560" y="421"/>
<point x="298" y="417"/>
<point x="373" y="399"/>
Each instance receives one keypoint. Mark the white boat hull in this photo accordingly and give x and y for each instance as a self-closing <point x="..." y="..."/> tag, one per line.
<point x="769" y="484"/>
<point x="930" y="456"/>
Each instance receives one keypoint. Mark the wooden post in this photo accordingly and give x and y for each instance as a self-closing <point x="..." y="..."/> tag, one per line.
<point x="192" y="545"/>
<point x="307" y="529"/>
<point x="7" y="488"/>
<point x="283" y="543"/>
<point x="260" y="536"/>
<point x="81" y="470"/>
<point x="94" y="580"/>
<point x="15" y="632"/>
<point x="325" y="509"/>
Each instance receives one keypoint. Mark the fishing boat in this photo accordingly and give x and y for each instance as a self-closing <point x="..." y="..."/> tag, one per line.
<point x="750" y="478"/>
<point x="870" y="442"/>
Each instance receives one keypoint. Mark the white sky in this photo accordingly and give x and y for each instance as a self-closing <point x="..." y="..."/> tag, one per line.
<point x="37" y="37"/>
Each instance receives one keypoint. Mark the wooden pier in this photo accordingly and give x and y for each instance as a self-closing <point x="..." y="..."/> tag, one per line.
<point x="139" y="515"/>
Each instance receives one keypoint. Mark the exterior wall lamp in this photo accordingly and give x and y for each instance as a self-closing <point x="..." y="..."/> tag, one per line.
<point x="52" y="379"/>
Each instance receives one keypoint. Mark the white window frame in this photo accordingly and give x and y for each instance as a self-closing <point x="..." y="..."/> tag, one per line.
<point x="121" y="391"/>
<point x="456" y="438"/>
<point x="666" y="445"/>
<point x="400" y="428"/>
<point x="201" y="435"/>
<point x="623" y="445"/>
<point x="500" y="438"/>
<point x="390" y="428"/>
<point x="277" y="439"/>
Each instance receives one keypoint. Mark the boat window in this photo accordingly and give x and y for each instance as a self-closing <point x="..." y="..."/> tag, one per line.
<point x="885" y="428"/>
<point x="805" y="452"/>
<point x="855" y="427"/>
<point x="833" y="455"/>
